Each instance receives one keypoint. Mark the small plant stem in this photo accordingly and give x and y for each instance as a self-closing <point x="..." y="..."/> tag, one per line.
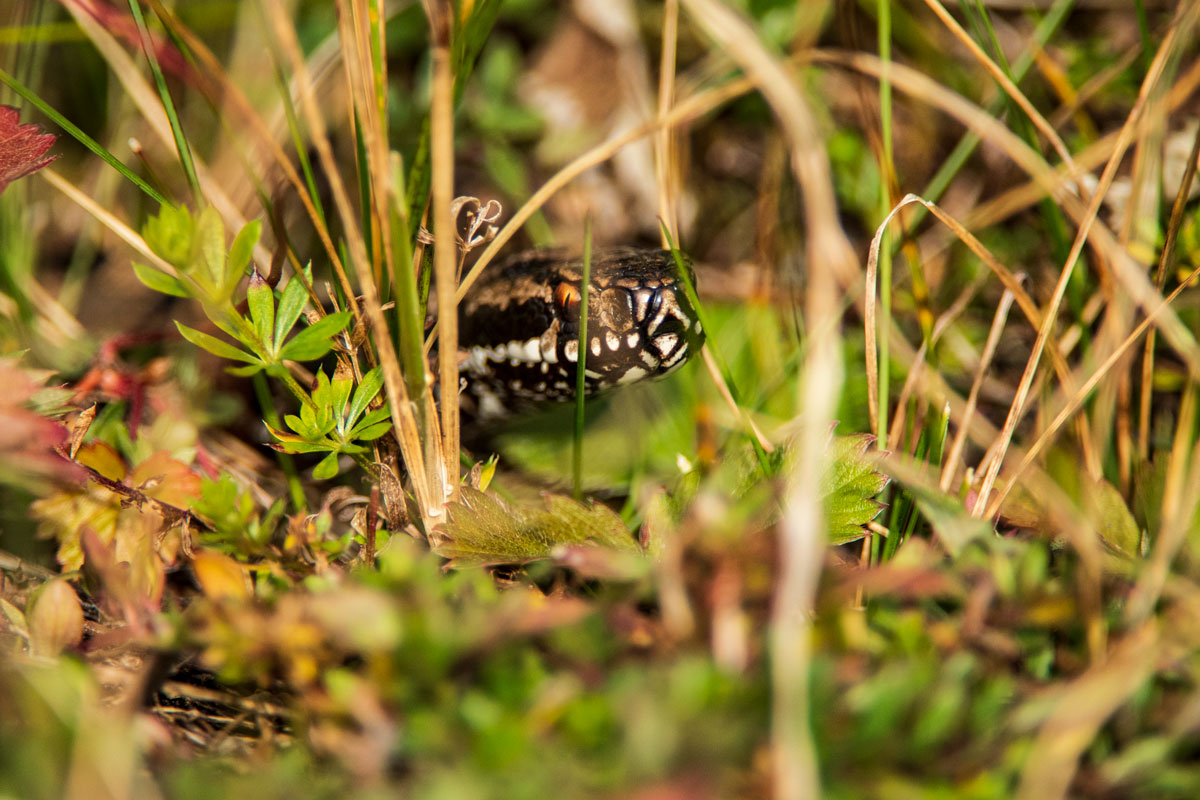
<point x="883" y="10"/>
<point x="581" y="364"/>
<point x="441" y="121"/>
<point x="266" y="406"/>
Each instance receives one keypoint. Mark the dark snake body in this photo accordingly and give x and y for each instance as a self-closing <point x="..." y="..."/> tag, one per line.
<point x="519" y="326"/>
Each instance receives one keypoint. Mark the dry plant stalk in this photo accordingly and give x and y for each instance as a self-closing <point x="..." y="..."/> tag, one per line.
<point x="441" y="127"/>
<point x="1152" y="76"/>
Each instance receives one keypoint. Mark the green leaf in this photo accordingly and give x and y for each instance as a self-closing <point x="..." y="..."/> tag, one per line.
<point x="849" y="488"/>
<point x="207" y="263"/>
<point x="482" y="529"/>
<point x="215" y="346"/>
<point x="261" y="301"/>
<point x="327" y="468"/>
<point x="367" y="388"/>
<point x="1113" y="519"/>
<point x="245" y="372"/>
<point x="160" y="281"/>
<point x="371" y="419"/>
<point x="370" y="433"/>
<point x="292" y="299"/>
<point x="949" y="519"/>
<point x="338" y="397"/>
<point x="169" y="234"/>
<point x="240" y="253"/>
<point x="291" y="443"/>
<point x="315" y="340"/>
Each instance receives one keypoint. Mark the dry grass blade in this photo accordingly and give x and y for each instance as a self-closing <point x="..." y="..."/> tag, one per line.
<point x="1010" y="88"/>
<point x="441" y="128"/>
<point x="1010" y="282"/>
<point x="954" y="454"/>
<point x="1165" y="258"/>
<point x="665" y="166"/>
<point x="108" y="220"/>
<point x="1076" y="401"/>
<point x="940" y="326"/>
<point x="1127" y="271"/>
<point x="1106" y="178"/>
<point x="150" y="106"/>
<point x="1180" y="490"/>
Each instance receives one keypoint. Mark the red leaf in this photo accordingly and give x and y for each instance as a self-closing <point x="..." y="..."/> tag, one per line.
<point x="22" y="147"/>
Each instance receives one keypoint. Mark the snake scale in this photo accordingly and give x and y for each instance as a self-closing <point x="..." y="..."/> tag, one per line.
<point x="519" y="327"/>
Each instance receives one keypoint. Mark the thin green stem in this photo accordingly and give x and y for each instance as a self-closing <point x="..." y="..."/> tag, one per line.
<point x="581" y="363"/>
<point x="181" y="142"/>
<point x="262" y="393"/>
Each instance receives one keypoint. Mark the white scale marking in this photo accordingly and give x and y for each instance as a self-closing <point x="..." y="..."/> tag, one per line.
<point x="596" y="346"/>
<point x="666" y="343"/>
<point x="612" y="340"/>
<point x="633" y="374"/>
<point x="571" y="350"/>
<point x="632" y="339"/>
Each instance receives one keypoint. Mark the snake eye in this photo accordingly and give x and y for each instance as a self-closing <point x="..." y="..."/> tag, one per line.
<point x="567" y="298"/>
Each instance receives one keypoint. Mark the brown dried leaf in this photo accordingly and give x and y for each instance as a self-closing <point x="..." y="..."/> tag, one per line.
<point x="80" y="426"/>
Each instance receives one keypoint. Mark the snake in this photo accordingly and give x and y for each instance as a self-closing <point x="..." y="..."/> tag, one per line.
<point x="519" y="326"/>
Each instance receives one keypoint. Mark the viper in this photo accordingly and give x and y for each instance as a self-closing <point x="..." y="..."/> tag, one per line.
<point x="519" y="326"/>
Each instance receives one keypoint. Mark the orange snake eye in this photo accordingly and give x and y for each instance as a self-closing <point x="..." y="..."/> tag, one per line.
<point x="567" y="297"/>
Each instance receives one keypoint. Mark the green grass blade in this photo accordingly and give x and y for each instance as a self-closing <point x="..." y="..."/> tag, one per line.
<point x="181" y="143"/>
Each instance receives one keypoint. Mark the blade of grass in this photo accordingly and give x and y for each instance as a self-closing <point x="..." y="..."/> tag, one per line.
<point x="665" y="169"/>
<point x="1165" y="260"/>
<point x="970" y="140"/>
<point x="223" y="92"/>
<point x="581" y="364"/>
<point x="182" y="147"/>
<point x="802" y="533"/>
<point x="985" y="360"/>
<point x="1081" y="394"/>
<point x="881" y="400"/>
<point x="1126" y="271"/>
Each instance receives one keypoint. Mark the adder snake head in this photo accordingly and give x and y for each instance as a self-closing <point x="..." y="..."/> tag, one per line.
<point x="519" y="325"/>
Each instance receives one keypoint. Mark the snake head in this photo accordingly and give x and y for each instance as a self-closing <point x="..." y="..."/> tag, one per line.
<point x="640" y="323"/>
<point x="521" y="327"/>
